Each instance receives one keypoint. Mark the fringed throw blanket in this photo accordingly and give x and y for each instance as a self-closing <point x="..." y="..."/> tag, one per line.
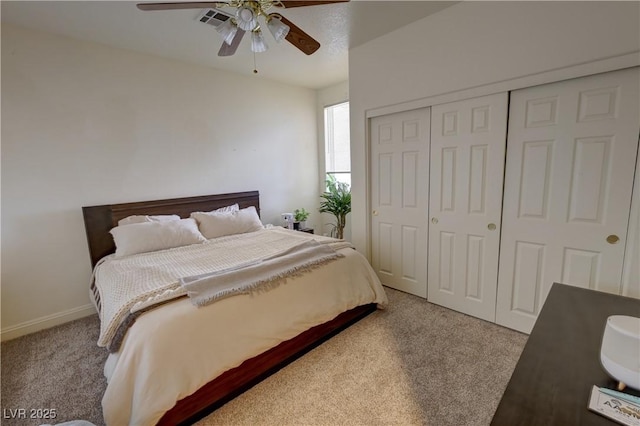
<point x="127" y="286"/>
<point x="262" y="275"/>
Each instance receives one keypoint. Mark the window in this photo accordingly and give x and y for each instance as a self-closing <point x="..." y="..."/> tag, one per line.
<point x="337" y="142"/>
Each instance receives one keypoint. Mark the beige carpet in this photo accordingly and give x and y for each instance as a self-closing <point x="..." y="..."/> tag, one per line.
<point x="414" y="364"/>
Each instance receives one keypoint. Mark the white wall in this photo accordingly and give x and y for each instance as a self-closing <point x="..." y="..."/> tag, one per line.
<point x="85" y="124"/>
<point x="472" y="44"/>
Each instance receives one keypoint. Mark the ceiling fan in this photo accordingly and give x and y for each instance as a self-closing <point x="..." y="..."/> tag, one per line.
<point x="246" y="18"/>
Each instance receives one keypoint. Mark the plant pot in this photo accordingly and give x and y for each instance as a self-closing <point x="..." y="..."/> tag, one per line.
<point x="296" y="225"/>
<point x="303" y="224"/>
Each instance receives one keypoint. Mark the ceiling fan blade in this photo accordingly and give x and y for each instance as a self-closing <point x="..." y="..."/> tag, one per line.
<point x="228" y="50"/>
<point x="173" y="6"/>
<point x="287" y="4"/>
<point x="300" y="39"/>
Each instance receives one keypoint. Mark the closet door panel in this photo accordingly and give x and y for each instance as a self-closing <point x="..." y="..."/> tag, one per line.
<point x="571" y="155"/>
<point x="631" y="274"/>
<point x="467" y="166"/>
<point x="399" y="187"/>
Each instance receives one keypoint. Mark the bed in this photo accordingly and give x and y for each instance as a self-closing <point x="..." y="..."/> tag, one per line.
<point x="144" y="371"/>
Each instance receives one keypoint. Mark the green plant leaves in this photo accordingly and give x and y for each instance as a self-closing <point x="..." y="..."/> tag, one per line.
<point x="337" y="201"/>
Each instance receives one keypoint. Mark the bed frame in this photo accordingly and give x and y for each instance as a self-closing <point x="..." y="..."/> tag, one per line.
<point x="99" y="220"/>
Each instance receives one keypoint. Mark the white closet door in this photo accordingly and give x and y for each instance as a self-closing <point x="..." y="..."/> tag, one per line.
<point x="631" y="269"/>
<point x="571" y="155"/>
<point x="467" y="168"/>
<point x="399" y="199"/>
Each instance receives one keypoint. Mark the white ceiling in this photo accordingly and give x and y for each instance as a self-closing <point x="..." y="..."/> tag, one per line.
<point x="178" y="35"/>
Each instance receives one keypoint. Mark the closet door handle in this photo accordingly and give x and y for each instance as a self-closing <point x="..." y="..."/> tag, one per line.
<point x="375" y="212"/>
<point x="434" y="220"/>
<point x="613" y="239"/>
<point x="491" y="227"/>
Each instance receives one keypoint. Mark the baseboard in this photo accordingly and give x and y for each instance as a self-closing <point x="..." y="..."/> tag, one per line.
<point x="47" y="321"/>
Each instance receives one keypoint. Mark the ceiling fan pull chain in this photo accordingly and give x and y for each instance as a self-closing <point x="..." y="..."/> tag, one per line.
<point x="255" y="68"/>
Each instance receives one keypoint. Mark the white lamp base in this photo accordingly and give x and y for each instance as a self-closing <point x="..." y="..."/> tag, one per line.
<point x="620" y="350"/>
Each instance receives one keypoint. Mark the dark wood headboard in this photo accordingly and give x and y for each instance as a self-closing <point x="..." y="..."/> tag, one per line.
<point x="98" y="220"/>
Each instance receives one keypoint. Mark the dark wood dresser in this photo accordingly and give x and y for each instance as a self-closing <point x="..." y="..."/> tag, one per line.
<point x="551" y="383"/>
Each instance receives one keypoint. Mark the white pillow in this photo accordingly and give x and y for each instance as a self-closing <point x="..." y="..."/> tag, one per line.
<point x="144" y="218"/>
<point x="151" y="236"/>
<point x="216" y="224"/>
<point x="226" y="209"/>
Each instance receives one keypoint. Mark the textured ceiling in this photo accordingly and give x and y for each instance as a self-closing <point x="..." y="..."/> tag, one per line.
<point x="178" y="35"/>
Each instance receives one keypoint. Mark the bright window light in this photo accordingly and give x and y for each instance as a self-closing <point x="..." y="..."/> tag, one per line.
<point x="337" y="142"/>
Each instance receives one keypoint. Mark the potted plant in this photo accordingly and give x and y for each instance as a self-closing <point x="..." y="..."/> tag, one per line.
<point x="300" y="217"/>
<point x="337" y="201"/>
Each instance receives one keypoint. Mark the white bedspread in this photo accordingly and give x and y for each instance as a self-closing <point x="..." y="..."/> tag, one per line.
<point x="174" y="349"/>
<point x="133" y="283"/>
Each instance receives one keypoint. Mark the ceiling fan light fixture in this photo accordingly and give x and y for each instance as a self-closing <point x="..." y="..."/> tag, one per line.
<point x="246" y="18"/>
<point x="258" y="44"/>
<point x="228" y="31"/>
<point x="277" y="28"/>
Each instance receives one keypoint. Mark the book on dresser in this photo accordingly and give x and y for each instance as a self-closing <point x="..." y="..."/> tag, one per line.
<point x="618" y="406"/>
